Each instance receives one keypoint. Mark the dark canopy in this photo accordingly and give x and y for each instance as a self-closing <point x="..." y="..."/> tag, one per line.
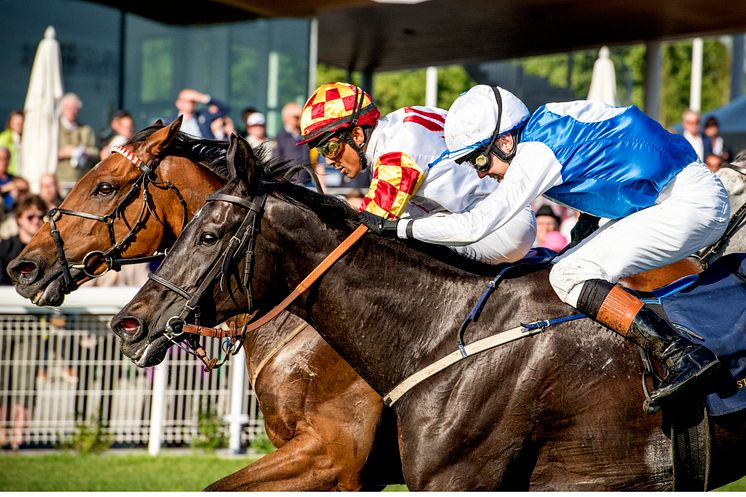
<point x="363" y="34"/>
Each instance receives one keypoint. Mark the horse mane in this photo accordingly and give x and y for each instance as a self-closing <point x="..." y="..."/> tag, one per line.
<point x="210" y="153"/>
<point x="339" y="215"/>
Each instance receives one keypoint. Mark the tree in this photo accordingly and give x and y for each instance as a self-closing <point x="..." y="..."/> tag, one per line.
<point x="395" y="89"/>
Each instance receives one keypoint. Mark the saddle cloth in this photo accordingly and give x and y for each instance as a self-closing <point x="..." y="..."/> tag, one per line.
<point x="710" y="308"/>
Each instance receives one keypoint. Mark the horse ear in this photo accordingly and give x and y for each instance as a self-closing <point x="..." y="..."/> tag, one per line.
<point x="241" y="161"/>
<point x="158" y="142"/>
<point x="158" y="122"/>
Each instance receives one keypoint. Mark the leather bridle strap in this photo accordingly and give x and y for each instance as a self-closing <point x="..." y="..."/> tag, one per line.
<point x="314" y="275"/>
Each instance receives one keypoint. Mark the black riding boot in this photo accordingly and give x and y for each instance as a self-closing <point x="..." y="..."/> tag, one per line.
<point x="688" y="364"/>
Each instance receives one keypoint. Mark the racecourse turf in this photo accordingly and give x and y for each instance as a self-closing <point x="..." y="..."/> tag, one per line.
<point x="133" y="472"/>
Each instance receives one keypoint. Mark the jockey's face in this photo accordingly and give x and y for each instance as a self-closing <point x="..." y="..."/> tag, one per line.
<point x="348" y="161"/>
<point x="498" y="167"/>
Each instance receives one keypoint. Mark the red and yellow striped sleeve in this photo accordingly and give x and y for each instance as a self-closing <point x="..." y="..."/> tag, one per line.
<point x="396" y="177"/>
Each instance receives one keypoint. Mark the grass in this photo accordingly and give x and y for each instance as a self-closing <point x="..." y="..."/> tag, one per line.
<point x="134" y="472"/>
<point x="110" y="472"/>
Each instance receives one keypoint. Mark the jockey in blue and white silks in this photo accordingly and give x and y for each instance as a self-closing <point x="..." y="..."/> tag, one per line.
<point x="662" y="204"/>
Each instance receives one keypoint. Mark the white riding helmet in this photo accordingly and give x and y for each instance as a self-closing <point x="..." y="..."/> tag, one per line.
<point x="472" y="119"/>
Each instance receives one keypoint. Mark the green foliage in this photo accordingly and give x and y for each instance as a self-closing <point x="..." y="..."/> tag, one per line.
<point x="210" y="432"/>
<point x="261" y="444"/>
<point x="89" y="437"/>
<point x="396" y="89"/>
<point x="677" y="71"/>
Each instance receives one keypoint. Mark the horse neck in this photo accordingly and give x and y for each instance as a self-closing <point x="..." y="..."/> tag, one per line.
<point x="194" y="183"/>
<point x="387" y="309"/>
<point x="735" y="184"/>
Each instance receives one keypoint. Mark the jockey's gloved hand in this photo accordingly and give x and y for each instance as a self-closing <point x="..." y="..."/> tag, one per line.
<point x="381" y="225"/>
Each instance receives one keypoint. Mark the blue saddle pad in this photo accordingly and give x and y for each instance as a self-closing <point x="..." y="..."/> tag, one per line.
<point x="713" y="308"/>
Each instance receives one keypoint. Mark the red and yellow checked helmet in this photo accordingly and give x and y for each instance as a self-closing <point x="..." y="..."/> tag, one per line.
<point x="336" y="106"/>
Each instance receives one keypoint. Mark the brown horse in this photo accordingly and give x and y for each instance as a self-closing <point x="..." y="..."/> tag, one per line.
<point x="559" y="411"/>
<point x="305" y="389"/>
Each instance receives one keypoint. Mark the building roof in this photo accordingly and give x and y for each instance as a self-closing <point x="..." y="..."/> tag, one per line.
<point x="368" y="35"/>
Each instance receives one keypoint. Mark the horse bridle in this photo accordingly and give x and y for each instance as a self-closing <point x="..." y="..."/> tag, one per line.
<point x="112" y="257"/>
<point x="735" y="224"/>
<point x="245" y="237"/>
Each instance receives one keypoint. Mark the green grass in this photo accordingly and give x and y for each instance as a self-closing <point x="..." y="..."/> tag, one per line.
<point x="132" y="472"/>
<point x="109" y="472"/>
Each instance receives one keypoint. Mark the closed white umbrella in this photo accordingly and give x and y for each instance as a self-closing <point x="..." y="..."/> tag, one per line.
<point x="41" y="121"/>
<point x="603" y="80"/>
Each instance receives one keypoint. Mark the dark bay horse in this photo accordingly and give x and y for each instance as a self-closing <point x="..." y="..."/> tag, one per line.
<point x="304" y="388"/>
<point x="559" y="411"/>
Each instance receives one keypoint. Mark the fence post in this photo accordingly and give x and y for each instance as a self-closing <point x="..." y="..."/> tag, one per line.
<point x="237" y="418"/>
<point x="157" y="410"/>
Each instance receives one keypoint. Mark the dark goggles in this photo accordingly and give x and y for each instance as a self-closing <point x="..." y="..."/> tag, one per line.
<point x="330" y="149"/>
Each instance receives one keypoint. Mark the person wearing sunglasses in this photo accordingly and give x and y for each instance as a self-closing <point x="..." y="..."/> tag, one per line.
<point x="660" y="202"/>
<point x="408" y="181"/>
<point x="29" y="214"/>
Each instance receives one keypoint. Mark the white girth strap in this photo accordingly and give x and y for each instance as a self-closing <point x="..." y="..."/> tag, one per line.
<point x="454" y="357"/>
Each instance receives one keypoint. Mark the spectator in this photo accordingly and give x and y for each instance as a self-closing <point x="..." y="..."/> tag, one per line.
<point x="10" y="138"/>
<point x="29" y="218"/>
<point x="256" y="135"/>
<point x="287" y="142"/>
<point x="122" y="129"/>
<point x="713" y="162"/>
<point x="49" y="190"/>
<point x="713" y="142"/>
<point x="548" y="222"/>
<point x="690" y="120"/>
<point x="222" y="127"/>
<point x="194" y="122"/>
<point x="6" y="180"/>
<point x="77" y="147"/>
<point x="245" y="113"/>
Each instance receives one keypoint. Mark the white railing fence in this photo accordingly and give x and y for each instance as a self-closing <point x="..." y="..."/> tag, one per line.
<point x="60" y="367"/>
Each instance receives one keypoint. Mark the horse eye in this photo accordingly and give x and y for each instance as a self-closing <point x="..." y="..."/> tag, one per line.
<point x="104" y="189"/>
<point x="208" y="239"/>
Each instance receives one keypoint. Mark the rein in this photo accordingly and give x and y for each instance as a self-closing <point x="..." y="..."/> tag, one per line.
<point x="239" y="336"/>
<point x="736" y="223"/>
<point x="112" y="257"/>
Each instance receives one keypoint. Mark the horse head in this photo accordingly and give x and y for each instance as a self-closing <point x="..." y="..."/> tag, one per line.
<point x="130" y="205"/>
<point x="234" y="221"/>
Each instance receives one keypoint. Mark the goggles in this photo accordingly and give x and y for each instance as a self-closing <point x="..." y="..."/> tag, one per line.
<point x="331" y="149"/>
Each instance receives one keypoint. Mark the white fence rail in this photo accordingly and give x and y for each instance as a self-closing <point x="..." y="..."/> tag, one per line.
<point x="59" y="367"/>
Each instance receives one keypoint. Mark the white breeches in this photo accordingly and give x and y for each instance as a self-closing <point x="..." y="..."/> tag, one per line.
<point x="691" y="212"/>
<point x="508" y="243"/>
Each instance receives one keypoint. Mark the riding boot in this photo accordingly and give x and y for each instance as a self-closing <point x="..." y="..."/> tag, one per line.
<point x="688" y="364"/>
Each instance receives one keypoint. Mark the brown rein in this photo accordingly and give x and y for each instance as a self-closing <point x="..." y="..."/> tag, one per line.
<point x="234" y="333"/>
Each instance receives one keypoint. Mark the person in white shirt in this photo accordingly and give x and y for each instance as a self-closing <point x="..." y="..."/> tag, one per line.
<point x="611" y="162"/>
<point x="691" y="122"/>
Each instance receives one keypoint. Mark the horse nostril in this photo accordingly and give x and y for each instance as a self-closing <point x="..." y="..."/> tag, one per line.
<point x="128" y="326"/>
<point x="25" y="270"/>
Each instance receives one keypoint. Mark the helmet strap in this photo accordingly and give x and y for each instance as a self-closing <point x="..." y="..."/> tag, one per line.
<point x="347" y="137"/>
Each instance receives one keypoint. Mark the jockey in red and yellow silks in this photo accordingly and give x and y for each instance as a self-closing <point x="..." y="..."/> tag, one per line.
<point x="408" y="180"/>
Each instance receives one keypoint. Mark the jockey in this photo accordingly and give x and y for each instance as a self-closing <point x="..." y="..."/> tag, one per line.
<point x="661" y="203"/>
<point x="343" y="123"/>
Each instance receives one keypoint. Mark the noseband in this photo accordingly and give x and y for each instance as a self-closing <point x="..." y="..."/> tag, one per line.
<point x="244" y="238"/>
<point x="112" y="257"/>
